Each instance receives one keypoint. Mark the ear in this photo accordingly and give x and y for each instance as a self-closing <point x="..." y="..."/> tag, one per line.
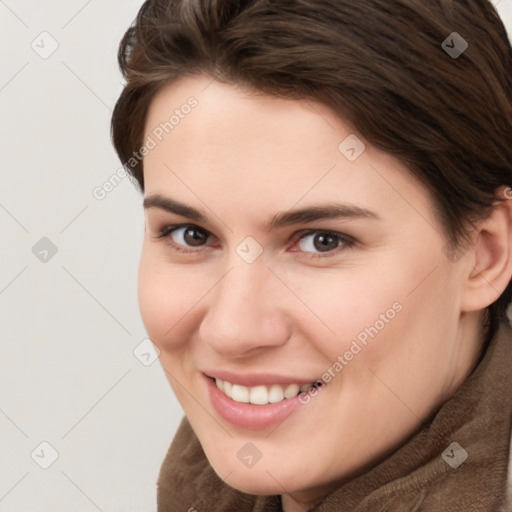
<point x="490" y="265"/>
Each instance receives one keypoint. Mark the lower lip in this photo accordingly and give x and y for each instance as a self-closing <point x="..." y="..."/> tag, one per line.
<point x="250" y="416"/>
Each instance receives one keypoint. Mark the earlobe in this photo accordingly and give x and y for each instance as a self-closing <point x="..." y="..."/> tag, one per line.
<point x="491" y="265"/>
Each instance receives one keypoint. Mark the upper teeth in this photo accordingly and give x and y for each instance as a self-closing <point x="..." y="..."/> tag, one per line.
<point x="260" y="395"/>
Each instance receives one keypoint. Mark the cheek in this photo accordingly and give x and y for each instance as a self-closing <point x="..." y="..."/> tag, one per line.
<point x="377" y="315"/>
<point x="165" y="297"/>
<point x="350" y="303"/>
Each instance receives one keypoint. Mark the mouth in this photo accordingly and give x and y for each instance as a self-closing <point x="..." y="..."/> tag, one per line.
<point x="262" y="403"/>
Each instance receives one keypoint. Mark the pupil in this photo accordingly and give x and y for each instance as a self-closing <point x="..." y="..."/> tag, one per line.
<point x="324" y="241"/>
<point x="196" y="237"/>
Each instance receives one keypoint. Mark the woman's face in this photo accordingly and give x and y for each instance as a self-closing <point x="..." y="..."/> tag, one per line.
<point x="298" y="256"/>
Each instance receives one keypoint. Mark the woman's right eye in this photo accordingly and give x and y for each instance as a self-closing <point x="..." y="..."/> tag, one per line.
<point x="182" y="236"/>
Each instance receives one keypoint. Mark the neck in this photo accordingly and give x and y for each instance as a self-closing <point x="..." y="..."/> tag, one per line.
<point x="291" y="504"/>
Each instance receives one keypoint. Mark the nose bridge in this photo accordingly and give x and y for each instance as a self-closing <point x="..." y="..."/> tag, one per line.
<point x="242" y="313"/>
<point x="244" y="290"/>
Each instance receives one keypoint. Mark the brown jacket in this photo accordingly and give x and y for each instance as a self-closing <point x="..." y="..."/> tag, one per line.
<point x="415" y="478"/>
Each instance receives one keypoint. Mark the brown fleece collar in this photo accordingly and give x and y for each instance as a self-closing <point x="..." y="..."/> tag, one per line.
<point x="415" y="478"/>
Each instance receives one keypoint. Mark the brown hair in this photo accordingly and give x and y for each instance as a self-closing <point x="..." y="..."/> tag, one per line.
<point x="381" y="64"/>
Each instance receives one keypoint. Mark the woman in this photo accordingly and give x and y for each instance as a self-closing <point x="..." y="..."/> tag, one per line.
<point x="328" y="250"/>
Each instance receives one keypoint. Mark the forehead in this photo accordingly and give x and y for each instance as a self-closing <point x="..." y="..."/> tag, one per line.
<point x="253" y="120"/>
<point x="233" y="143"/>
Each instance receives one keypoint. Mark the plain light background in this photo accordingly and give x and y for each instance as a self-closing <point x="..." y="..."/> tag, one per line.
<point x="76" y="373"/>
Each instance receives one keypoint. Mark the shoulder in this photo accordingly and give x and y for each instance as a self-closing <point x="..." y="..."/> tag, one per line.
<point x="509" y="488"/>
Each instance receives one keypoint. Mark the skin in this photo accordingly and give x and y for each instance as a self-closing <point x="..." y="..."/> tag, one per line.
<point x="242" y="157"/>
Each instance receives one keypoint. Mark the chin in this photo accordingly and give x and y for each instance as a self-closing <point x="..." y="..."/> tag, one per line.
<point x="261" y="479"/>
<point x="259" y="487"/>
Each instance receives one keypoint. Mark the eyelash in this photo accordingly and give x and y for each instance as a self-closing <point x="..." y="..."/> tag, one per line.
<point x="345" y="240"/>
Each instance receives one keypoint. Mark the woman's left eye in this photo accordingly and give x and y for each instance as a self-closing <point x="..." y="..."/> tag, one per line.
<point x="317" y="243"/>
<point x="326" y="242"/>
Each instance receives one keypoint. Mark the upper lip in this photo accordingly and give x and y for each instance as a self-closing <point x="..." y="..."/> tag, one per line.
<point x="256" y="379"/>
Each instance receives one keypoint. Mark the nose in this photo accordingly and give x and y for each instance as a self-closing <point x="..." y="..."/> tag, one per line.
<point x="246" y="312"/>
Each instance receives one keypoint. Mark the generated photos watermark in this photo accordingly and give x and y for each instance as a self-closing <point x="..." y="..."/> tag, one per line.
<point x="359" y="343"/>
<point x="151" y="142"/>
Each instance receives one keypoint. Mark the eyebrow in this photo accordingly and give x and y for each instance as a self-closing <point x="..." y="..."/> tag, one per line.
<point x="312" y="213"/>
